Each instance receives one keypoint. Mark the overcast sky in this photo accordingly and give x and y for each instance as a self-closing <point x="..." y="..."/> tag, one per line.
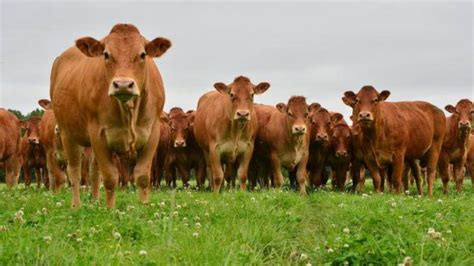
<point x="418" y="51"/>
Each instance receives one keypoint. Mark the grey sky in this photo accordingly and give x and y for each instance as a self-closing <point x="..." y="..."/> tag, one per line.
<point x="419" y="51"/>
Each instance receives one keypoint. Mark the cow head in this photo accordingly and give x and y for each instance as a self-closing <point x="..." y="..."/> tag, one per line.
<point x="241" y="93"/>
<point x="341" y="136"/>
<point x="180" y="127"/>
<point x="365" y="104"/>
<point x="462" y="113"/>
<point x="320" y="125"/>
<point x="32" y="127"/>
<point x="125" y="53"/>
<point x="297" y="112"/>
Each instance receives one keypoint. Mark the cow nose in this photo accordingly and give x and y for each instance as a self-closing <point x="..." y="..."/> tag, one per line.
<point x="299" y="129"/>
<point x="464" y="124"/>
<point x="243" y="114"/>
<point x="123" y="84"/>
<point x="180" y="143"/>
<point x="322" y="136"/>
<point x="33" y="140"/>
<point x="365" y="116"/>
<point x="341" y="153"/>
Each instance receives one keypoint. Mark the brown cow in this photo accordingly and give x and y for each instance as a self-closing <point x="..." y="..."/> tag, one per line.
<point x="161" y="156"/>
<point x="470" y="158"/>
<point x="34" y="153"/>
<point x="339" y="157"/>
<point x="186" y="154"/>
<point x="109" y="94"/>
<point x="225" y="126"/>
<point x="10" y="149"/>
<point x="456" y="143"/>
<point x="283" y="139"/>
<point x="394" y="132"/>
<point x="49" y="137"/>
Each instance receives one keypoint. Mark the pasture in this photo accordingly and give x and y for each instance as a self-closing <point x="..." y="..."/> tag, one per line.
<point x="260" y="227"/>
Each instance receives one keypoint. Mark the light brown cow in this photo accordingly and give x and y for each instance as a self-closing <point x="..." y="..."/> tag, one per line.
<point x="225" y="127"/>
<point x="49" y="137"/>
<point x="283" y="139"/>
<point x="109" y="94"/>
<point x="34" y="153"/>
<point x="10" y="149"/>
<point x="395" y="132"/>
<point x="456" y="143"/>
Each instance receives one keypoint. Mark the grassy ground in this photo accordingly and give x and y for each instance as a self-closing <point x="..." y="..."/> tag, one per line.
<point x="262" y="227"/>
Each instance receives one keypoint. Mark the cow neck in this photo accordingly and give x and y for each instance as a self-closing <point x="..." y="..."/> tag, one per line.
<point x="460" y="138"/>
<point x="129" y="115"/>
<point x="370" y="136"/>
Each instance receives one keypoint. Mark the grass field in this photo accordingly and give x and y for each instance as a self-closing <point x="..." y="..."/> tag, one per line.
<point x="262" y="227"/>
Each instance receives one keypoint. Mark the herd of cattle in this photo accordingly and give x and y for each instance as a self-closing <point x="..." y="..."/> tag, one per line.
<point x="105" y="122"/>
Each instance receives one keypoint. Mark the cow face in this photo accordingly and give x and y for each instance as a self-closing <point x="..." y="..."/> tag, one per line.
<point x="241" y="93"/>
<point x="462" y="113"/>
<point x="180" y="127"/>
<point x="32" y="127"/>
<point x="365" y="104"/>
<point x="320" y="126"/>
<point x="125" y="54"/>
<point x="341" y="137"/>
<point x="297" y="112"/>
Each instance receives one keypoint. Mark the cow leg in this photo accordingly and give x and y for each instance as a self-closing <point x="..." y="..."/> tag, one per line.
<point x="339" y="172"/>
<point x="216" y="169"/>
<point x="94" y="176"/>
<point x="54" y="172"/>
<point x="26" y="173"/>
<point x="243" y="169"/>
<point x="459" y="174"/>
<point x="356" y="176"/>
<point x="292" y="177"/>
<point x="276" y="170"/>
<point x="470" y="168"/>
<point x="443" y="164"/>
<point x="397" y="171"/>
<point x="73" y="153"/>
<point x="302" y="174"/>
<point x="416" y="171"/>
<point x="406" y="177"/>
<point x="44" y="172"/>
<point x="38" y="177"/>
<point x="184" y="173"/>
<point x="376" y="176"/>
<point x="11" y="166"/>
<point x="201" y="175"/>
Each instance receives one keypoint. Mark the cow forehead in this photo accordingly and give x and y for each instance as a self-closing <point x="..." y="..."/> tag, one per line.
<point x="367" y="92"/>
<point x="464" y="104"/>
<point x="241" y="87"/>
<point x="124" y="43"/>
<point x="321" y="116"/>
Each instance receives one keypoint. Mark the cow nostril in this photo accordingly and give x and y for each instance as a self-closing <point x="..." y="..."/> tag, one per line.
<point x="131" y="84"/>
<point x="116" y="85"/>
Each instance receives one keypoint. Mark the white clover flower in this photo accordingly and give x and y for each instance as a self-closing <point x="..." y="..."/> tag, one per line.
<point x="47" y="238"/>
<point x="198" y="225"/>
<point x="447" y="232"/>
<point x="346" y="245"/>
<point x="252" y="199"/>
<point x="175" y="213"/>
<point x="206" y="214"/>
<point x="394" y="204"/>
<point x="407" y="261"/>
<point x="195" y="234"/>
<point x="431" y="230"/>
<point x="303" y="256"/>
<point x="3" y="228"/>
<point x="142" y="253"/>
<point x="119" y="254"/>
<point x="150" y="222"/>
<point x="162" y="204"/>
<point x="365" y="195"/>
<point x="117" y="235"/>
<point x="440" y="201"/>
<point x="59" y="204"/>
<point x="152" y="204"/>
<point x="157" y="215"/>
<point x="407" y="192"/>
<point x="79" y="240"/>
<point x="44" y="210"/>
<point x="330" y="250"/>
<point x="346" y="231"/>
<point x="186" y="224"/>
<point x="197" y="218"/>
<point x="130" y="207"/>
<point x="178" y="207"/>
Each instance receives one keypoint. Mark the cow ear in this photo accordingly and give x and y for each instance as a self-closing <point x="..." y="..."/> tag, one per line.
<point x="46" y="104"/>
<point x="314" y="107"/>
<point x="221" y="87"/>
<point x="190" y="112"/>
<point x="261" y="87"/>
<point x="90" y="46"/>
<point x="22" y="124"/>
<point x="164" y="118"/>
<point x="282" y="107"/>
<point x="451" y="109"/>
<point x="191" y="118"/>
<point x="349" y="98"/>
<point x="384" y="95"/>
<point x="336" y="117"/>
<point x="157" y="47"/>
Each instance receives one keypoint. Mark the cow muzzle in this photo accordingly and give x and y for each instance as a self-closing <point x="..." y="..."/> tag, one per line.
<point x="123" y="89"/>
<point x="242" y="115"/>
<point x="179" y="143"/>
<point x="322" y="137"/>
<point x="33" y="140"/>
<point x="341" y="153"/>
<point x="299" y="130"/>
<point x="464" y="125"/>
<point x="365" y="117"/>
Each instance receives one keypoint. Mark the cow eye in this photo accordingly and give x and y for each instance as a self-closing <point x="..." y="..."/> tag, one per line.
<point x="106" y="56"/>
<point x="142" y="56"/>
<point x="232" y="95"/>
<point x="251" y="96"/>
<point x="305" y="115"/>
<point x="375" y="101"/>
<point x="290" y="114"/>
<point x="357" y="100"/>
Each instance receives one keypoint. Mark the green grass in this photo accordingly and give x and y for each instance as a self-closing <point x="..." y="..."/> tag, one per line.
<point x="261" y="227"/>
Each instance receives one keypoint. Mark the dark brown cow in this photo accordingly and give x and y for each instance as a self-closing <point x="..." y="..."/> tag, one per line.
<point x="225" y="127"/>
<point x="109" y="94"/>
<point x="339" y="157"/>
<point x="186" y="154"/>
<point x="34" y="153"/>
<point x="49" y="137"/>
<point x="283" y="140"/>
<point x="10" y="149"/>
<point x="456" y="143"/>
<point x="395" y="132"/>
